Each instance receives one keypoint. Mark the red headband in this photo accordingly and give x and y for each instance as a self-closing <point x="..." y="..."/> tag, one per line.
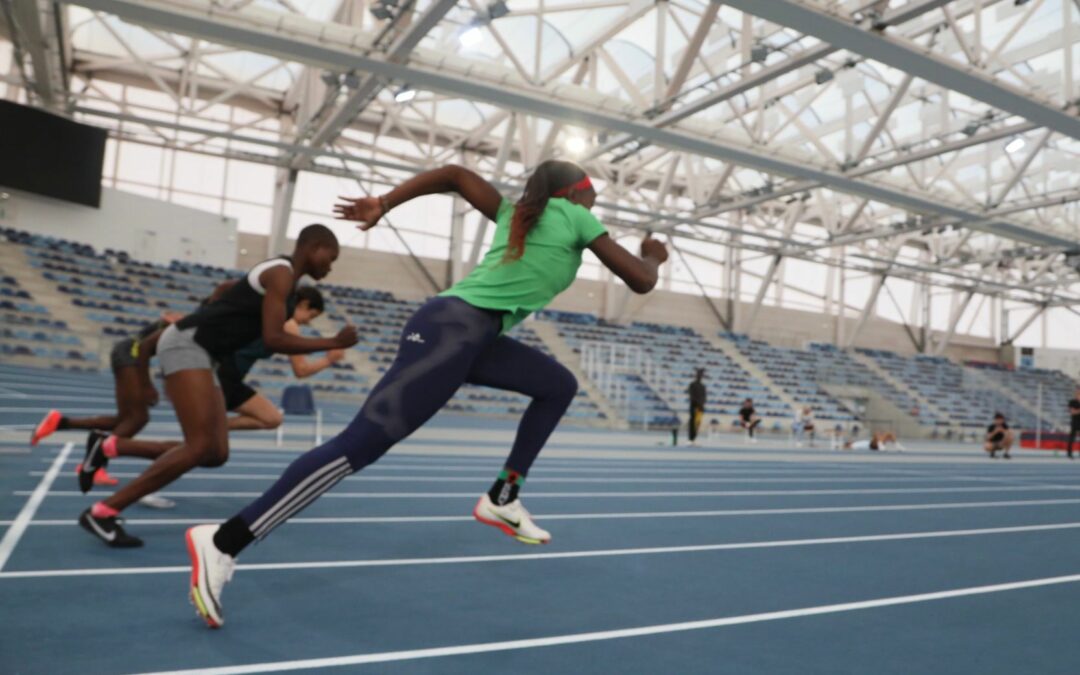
<point x="580" y="185"/>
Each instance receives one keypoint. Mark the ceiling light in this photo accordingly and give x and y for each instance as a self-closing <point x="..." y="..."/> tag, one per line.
<point x="471" y="37"/>
<point x="405" y="94"/>
<point x="1015" y="145"/>
<point x="498" y="9"/>
<point x="575" y="145"/>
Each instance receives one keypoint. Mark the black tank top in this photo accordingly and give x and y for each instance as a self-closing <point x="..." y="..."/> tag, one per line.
<point x="235" y="319"/>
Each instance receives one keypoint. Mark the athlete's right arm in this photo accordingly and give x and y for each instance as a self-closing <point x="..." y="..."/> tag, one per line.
<point x="220" y="289"/>
<point x="278" y="282"/>
<point x="481" y="194"/>
<point x="147" y="349"/>
<point x="639" y="273"/>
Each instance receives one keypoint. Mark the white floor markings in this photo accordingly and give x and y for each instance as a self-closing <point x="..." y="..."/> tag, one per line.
<point x="335" y="520"/>
<point x="539" y="469"/>
<point x="26" y="515"/>
<point x="201" y="475"/>
<point x="557" y="555"/>
<point x="607" y="495"/>
<point x="622" y="633"/>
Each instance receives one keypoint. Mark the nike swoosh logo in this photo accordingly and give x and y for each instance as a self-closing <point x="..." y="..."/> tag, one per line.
<point x="107" y="536"/>
<point x="507" y="520"/>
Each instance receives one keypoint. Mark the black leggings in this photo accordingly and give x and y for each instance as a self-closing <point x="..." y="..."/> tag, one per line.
<point x="445" y="344"/>
<point x="1074" y="429"/>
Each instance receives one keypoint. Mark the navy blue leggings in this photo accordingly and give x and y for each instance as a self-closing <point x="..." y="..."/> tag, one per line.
<point x="447" y="343"/>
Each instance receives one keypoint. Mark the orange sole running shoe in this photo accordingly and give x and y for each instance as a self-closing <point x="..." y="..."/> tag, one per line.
<point x="101" y="477"/>
<point x="46" y="427"/>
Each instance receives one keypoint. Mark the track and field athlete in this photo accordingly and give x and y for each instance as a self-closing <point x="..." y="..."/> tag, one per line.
<point x="455" y="338"/>
<point x="255" y="306"/>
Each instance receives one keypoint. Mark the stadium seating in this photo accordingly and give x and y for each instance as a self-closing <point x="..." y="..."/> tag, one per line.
<point x="796" y="371"/>
<point x="119" y="295"/>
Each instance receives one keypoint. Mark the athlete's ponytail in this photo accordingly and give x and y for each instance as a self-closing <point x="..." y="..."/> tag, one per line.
<point x="549" y="178"/>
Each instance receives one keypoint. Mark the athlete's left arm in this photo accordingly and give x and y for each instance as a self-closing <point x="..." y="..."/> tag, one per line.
<point x="278" y="282"/>
<point x="481" y="194"/>
<point x="639" y="273"/>
<point x="302" y="366"/>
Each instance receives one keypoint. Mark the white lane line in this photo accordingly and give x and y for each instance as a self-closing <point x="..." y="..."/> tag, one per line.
<point x="22" y="521"/>
<point x="622" y="633"/>
<point x="560" y="555"/>
<point x="537" y="470"/>
<point x="611" y="495"/>
<point x="480" y="479"/>
<point x="334" y="520"/>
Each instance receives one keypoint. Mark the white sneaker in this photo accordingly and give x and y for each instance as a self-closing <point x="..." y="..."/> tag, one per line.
<point x="210" y="571"/>
<point x="512" y="519"/>
<point x="156" y="501"/>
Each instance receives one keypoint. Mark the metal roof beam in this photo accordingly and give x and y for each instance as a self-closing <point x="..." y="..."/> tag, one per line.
<point x="369" y="86"/>
<point x="341" y="48"/>
<point x="872" y="44"/>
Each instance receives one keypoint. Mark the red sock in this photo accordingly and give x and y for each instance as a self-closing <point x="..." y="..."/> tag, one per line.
<point x="100" y="510"/>
<point x="109" y="447"/>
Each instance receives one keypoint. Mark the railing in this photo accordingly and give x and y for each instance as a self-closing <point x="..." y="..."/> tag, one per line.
<point x="603" y="362"/>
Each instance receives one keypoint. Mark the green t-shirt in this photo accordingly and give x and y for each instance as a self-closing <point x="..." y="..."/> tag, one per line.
<point x="549" y="265"/>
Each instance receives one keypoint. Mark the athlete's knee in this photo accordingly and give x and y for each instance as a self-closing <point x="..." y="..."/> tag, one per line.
<point x="210" y="452"/>
<point x="272" y="419"/>
<point x="564" y="386"/>
<point x="214" y="456"/>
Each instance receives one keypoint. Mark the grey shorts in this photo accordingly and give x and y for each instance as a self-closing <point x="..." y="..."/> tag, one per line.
<point x="177" y="350"/>
<point x="123" y="354"/>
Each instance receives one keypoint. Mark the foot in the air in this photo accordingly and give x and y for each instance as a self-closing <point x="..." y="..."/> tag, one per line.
<point x="512" y="519"/>
<point x="93" y="460"/>
<point x="108" y="530"/>
<point x="210" y="571"/>
<point x="46" y="426"/>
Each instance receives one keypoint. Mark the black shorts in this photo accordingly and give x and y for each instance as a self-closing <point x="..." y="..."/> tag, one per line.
<point x="236" y="392"/>
<point x="124" y="354"/>
<point x="998" y="437"/>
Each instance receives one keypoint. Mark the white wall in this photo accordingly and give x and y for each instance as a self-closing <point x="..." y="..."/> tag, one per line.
<point x="147" y="229"/>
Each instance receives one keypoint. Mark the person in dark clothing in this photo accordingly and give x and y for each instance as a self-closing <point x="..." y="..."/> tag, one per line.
<point x="251" y="308"/>
<point x="998" y="437"/>
<point x="1074" y="420"/>
<point x="748" y="418"/>
<point x="696" y="390"/>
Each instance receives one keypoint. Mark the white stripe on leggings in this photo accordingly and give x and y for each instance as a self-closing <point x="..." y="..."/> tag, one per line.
<point x="297" y="505"/>
<point x="330" y="467"/>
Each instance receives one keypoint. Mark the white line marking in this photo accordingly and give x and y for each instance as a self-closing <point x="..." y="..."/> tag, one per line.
<point x="22" y="521"/>
<point x="199" y="475"/>
<point x="542" y="470"/>
<point x="599" y="553"/>
<point x="622" y="633"/>
<point x="602" y="495"/>
<point x="333" y="520"/>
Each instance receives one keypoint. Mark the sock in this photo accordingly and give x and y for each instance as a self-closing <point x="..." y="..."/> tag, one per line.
<point x="109" y="447"/>
<point x="505" y="489"/>
<point x="63" y="424"/>
<point x="233" y="536"/>
<point x="100" y="510"/>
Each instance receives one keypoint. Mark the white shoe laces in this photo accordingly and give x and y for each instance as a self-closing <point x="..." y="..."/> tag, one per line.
<point x="225" y="565"/>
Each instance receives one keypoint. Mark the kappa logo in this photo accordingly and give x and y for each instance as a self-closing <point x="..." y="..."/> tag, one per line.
<point x="414" y="337"/>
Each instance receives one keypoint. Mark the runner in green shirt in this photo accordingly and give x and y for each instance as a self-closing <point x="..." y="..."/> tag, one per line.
<point x="454" y="338"/>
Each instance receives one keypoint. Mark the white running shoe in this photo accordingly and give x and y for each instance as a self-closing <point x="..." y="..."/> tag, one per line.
<point x="156" y="501"/>
<point x="210" y="571"/>
<point x="512" y="519"/>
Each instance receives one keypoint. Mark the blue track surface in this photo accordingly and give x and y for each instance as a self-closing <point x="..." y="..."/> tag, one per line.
<point x="637" y="544"/>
